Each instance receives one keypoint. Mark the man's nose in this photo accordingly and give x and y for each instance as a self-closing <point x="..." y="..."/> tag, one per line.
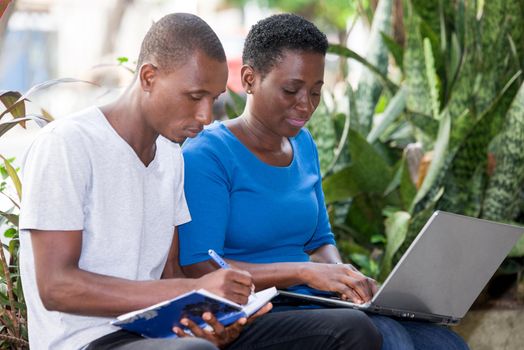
<point x="204" y="114"/>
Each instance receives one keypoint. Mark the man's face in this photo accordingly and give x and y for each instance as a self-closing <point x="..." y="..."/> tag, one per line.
<point x="179" y="103"/>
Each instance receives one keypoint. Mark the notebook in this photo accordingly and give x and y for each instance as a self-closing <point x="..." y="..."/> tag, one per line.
<point x="157" y="321"/>
<point x="441" y="274"/>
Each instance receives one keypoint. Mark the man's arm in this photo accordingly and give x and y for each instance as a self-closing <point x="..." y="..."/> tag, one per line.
<point x="63" y="286"/>
<point x="172" y="268"/>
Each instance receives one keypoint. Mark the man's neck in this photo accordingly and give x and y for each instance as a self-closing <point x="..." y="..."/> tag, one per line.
<point x="126" y="118"/>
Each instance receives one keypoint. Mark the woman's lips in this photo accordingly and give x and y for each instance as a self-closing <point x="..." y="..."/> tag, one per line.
<point x="297" y="122"/>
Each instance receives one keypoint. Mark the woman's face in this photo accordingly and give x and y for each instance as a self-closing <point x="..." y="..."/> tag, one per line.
<point x="286" y="97"/>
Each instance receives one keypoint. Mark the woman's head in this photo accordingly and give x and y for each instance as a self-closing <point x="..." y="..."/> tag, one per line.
<point x="283" y="72"/>
<point x="271" y="37"/>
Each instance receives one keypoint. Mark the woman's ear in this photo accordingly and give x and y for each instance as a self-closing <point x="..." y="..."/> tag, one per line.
<point x="147" y="74"/>
<point x="247" y="76"/>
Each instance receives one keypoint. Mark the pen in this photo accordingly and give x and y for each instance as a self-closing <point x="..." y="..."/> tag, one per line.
<point x="216" y="258"/>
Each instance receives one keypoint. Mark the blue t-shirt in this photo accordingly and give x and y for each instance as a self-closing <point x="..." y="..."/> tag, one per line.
<point x="247" y="210"/>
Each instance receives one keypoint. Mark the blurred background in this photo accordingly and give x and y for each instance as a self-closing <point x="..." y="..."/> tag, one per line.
<point x="49" y="39"/>
<point x="423" y="109"/>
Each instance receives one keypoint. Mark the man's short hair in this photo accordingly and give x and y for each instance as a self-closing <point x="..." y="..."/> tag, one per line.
<point x="269" y="37"/>
<point x="175" y="37"/>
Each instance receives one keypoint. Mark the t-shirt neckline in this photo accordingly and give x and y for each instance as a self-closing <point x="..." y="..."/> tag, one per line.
<point x="127" y="146"/>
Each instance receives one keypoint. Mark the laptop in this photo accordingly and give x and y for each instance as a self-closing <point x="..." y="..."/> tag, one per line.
<point x="441" y="274"/>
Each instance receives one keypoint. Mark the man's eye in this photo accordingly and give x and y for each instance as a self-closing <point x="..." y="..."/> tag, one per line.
<point x="196" y="97"/>
<point x="290" y="91"/>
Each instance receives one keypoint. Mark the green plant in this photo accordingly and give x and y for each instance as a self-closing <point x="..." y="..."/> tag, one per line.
<point x="459" y="98"/>
<point x="13" y="316"/>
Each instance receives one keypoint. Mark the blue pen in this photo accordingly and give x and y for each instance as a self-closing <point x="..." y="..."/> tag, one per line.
<point x="218" y="259"/>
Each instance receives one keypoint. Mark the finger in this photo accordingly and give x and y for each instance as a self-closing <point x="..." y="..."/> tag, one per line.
<point x="218" y="327"/>
<point x="373" y="285"/>
<point x="241" y="277"/>
<point x="349" y="293"/>
<point x="263" y="310"/>
<point x="194" y="328"/>
<point x="180" y="332"/>
<point x="360" y="284"/>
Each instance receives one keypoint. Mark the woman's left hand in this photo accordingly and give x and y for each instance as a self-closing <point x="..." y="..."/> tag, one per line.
<point x="344" y="279"/>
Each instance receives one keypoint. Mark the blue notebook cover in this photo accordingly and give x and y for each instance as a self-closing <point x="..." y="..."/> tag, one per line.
<point x="157" y="321"/>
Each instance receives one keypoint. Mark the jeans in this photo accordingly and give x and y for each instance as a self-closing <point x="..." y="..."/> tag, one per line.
<point x="325" y="329"/>
<point x="410" y="335"/>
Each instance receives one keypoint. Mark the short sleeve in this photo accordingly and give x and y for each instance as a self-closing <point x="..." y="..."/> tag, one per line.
<point x="55" y="177"/>
<point x="207" y="193"/>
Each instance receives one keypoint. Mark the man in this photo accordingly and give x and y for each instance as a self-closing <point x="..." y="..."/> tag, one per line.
<point x="104" y="196"/>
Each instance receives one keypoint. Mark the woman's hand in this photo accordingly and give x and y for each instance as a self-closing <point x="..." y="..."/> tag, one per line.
<point x="344" y="279"/>
<point x="219" y="335"/>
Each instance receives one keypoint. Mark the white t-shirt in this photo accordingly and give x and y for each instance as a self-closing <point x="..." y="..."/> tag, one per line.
<point x="79" y="174"/>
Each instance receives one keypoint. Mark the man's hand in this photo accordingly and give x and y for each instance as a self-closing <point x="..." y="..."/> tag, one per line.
<point x="231" y="284"/>
<point x="219" y="335"/>
<point x="344" y="279"/>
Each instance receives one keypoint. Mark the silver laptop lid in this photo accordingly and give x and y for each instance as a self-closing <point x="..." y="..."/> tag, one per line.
<point x="447" y="265"/>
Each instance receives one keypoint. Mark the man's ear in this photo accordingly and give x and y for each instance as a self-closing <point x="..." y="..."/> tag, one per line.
<point x="247" y="77"/>
<point x="147" y="76"/>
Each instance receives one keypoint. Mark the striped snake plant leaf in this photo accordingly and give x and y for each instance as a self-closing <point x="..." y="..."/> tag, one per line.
<point x="369" y="88"/>
<point x="461" y="191"/>
<point x="418" y="99"/>
<point x="432" y="79"/>
<point x="506" y="183"/>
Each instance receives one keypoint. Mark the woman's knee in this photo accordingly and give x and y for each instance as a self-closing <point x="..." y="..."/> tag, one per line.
<point x="358" y="329"/>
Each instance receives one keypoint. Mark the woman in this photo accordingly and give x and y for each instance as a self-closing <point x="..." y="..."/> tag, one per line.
<point x="253" y="183"/>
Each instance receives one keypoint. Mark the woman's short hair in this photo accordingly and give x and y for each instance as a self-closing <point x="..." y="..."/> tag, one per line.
<point x="269" y="37"/>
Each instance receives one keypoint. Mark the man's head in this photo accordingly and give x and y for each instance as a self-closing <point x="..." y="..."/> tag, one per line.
<point x="181" y="70"/>
<point x="174" y="38"/>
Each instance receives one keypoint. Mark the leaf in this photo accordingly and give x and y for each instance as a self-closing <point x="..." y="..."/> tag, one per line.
<point x="8" y="98"/>
<point x="368" y="88"/>
<point x="418" y="98"/>
<point x="41" y="86"/>
<point x="393" y="110"/>
<point x="5" y="126"/>
<point x="506" y="182"/>
<point x="368" y="172"/>
<point x="341" y="185"/>
<point x="14" y="177"/>
<point x="518" y="249"/>
<point x="10" y="232"/>
<point x="237" y="106"/>
<point x="439" y="156"/>
<point x="348" y="53"/>
<point x="396" y="230"/>
<point x="431" y="78"/>
<point x="394" y="49"/>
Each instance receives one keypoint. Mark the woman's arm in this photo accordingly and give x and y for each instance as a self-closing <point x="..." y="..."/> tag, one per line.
<point x="327" y="253"/>
<point x="340" y="278"/>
